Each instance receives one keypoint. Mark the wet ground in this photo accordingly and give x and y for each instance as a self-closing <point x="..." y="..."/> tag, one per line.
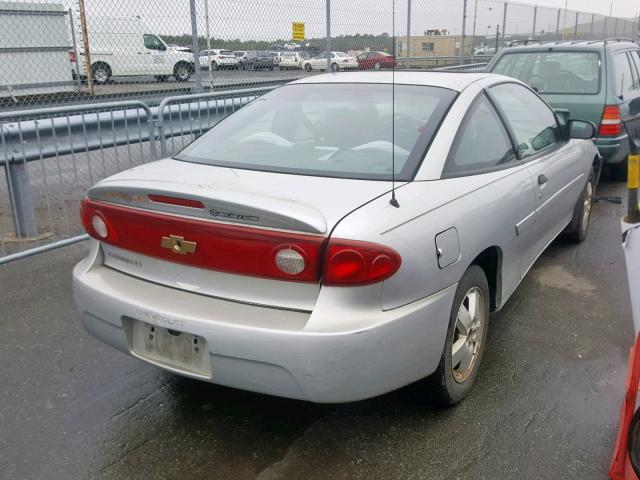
<point x="545" y="406"/>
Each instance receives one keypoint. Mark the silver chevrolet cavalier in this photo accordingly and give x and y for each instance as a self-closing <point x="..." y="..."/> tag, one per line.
<point x="339" y="237"/>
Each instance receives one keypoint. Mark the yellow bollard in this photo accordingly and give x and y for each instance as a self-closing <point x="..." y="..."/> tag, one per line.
<point x="633" y="181"/>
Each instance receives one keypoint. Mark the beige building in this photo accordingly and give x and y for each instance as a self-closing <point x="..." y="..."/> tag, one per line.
<point x="429" y="46"/>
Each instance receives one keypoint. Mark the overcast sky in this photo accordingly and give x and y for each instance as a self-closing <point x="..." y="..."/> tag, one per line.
<point x="271" y="19"/>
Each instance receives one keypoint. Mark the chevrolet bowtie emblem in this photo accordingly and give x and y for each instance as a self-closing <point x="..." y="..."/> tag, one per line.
<point x="178" y="244"/>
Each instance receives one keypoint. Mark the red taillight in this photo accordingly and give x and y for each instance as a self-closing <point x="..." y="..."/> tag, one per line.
<point x="72" y="57"/>
<point x="229" y="248"/>
<point x="351" y="262"/>
<point x="611" y="122"/>
<point x="240" y="249"/>
<point x="181" y="202"/>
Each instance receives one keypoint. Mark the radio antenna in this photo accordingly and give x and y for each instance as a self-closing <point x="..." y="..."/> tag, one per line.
<point x="393" y="201"/>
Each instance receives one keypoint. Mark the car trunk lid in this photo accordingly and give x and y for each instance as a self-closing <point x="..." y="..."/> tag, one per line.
<point x="223" y="210"/>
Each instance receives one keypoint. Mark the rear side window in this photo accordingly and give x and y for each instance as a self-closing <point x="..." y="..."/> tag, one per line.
<point x="472" y="152"/>
<point x="624" y="77"/>
<point x="554" y="72"/>
<point x="532" y="122"/>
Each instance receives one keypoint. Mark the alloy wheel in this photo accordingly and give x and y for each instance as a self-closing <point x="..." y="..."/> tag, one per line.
<point x="467" y="335"/>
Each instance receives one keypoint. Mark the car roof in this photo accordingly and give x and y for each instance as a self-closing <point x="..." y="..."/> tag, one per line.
<point x="452" y="80"/>
<point x="534" y="45"/>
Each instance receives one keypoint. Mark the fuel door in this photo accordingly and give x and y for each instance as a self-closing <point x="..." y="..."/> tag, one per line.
<point x="447" y="247"/>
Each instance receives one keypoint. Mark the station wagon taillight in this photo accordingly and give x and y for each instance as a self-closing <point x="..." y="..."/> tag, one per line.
<point x="240" y="249"/>
<point x="611" y="122"/>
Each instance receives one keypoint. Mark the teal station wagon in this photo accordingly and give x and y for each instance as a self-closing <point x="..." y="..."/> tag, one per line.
<point x="598" y="81"/>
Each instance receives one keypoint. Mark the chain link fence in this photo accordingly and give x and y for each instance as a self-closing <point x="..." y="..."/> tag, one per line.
<point x="89" y="88"/>
<point x="79" y="51"/>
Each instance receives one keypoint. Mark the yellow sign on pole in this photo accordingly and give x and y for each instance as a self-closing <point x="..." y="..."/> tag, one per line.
<point x="297" y="30"/>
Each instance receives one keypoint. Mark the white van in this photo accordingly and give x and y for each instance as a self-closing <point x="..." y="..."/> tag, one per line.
<point x="124" y="47"/>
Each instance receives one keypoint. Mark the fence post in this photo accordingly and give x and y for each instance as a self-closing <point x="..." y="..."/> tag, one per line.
<point x="535" y="18"/>
<point x="406" y="61"/>
<point x="504" y="21"/>
<point x="558" y="25"/>
<point x="327" y="47"/>
<point x="464" y="30"/>
<point x="75" y="49"/>
<point x="195" y="49"/>
<point x="575" y="28"/>
<point x="24" y="219"/>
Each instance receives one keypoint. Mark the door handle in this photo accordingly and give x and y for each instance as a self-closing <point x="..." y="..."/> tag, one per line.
<point x="542" y="179"/>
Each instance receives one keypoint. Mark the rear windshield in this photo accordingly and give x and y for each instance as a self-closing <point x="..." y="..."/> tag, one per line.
<point x="335" y="130"/>
<point x="554" y="72"/>
<point x="226" y="52"/>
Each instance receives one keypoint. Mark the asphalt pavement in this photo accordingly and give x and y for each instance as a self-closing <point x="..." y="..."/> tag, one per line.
<point x="545" y="406"/>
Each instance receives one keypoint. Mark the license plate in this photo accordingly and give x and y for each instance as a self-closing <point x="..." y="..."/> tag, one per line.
<point x="171" y="348"/>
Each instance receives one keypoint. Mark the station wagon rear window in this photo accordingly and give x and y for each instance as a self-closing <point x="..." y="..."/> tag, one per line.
<point x="555" y="72"/>
<point x="335" y="130"/>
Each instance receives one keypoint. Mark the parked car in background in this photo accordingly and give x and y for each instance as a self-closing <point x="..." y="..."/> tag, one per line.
<point x="277" y="57"/>
<point x="220" y="59"/>
<point x="339" y="61"/>
<point x="598" y="81"/>
<point x="258" y="61"/>
<point x="292" y="60"/>
<point x="125" y="47"/>
<point x="376" y="61"/>
<point x="274" y="254"/>
<point x="241" y="55"/>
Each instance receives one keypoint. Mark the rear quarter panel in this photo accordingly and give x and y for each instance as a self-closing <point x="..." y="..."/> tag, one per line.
<point x="484" y="210"/>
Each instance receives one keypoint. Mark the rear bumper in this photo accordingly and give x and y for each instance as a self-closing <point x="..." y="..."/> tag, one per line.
<point x="613" y="150"/>
<point x="269" y="350"/>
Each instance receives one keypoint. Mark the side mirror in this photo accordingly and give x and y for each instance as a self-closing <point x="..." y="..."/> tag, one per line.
<point x="581" y="130"/>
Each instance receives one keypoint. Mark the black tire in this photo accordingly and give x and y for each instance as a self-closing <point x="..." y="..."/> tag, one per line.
<point x="308" y="67"/>
<point x="214" y="66"/>
<point x="182" y="72"/>
<point x="619" y="171"/>
<point x="335" y="67"/>
<point x="101" y="73"/>
<point x="633" y="440"/>
<point x="271" y="67"/>
<point x="449" y="385"/>
<point x="162" y="78"/>
<point x="577" y="230"/>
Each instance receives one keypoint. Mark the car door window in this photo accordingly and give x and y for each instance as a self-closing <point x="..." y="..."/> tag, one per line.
<point x="635" y="67"/>
<point x="152" y="42"/>
<point x="532" y="122"/>
<point x="472" y="152"/>
<point x="624" y="78"/>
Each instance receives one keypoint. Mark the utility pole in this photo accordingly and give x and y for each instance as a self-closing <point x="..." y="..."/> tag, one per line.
<point x="85" y="44"/>
<point x="475" y="17"/>
<point x="497" y="36"/>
